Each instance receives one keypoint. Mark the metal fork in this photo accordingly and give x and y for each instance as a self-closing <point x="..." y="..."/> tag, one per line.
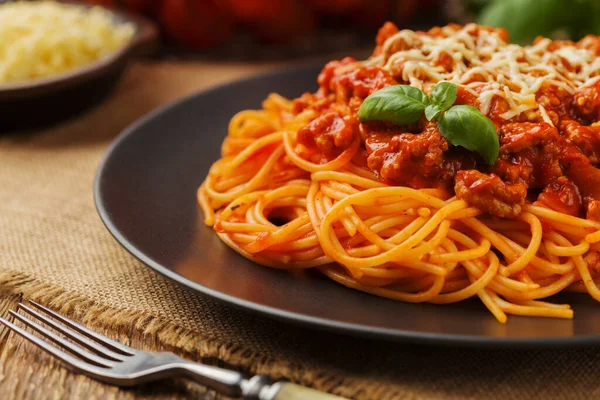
<point x="112" y="362"/>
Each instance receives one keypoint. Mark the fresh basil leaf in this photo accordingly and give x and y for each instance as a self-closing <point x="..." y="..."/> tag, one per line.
<point x="398" y="104"/>
<point x="433" y="110"/>
<point x="442" y="96"/>
<point x="466" y="126"/>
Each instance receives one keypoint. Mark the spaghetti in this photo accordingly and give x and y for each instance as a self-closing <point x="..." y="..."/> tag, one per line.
<point x="394" y="211"/>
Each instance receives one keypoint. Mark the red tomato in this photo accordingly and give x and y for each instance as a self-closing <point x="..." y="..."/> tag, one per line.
<point x="196" y="23"/>
<point x="337" y="6"/>
<point x="276" y="21"/>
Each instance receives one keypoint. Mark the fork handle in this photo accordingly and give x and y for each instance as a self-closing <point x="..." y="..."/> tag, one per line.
<point x="222" y="380"/>
<point x="233" y="384"/>
<point x="291" y="391"/>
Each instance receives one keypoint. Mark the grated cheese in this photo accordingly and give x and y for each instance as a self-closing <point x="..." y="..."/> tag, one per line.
<point x="545" y="116"/>
<point x="41" y="39"/>
<point x="487" y="66"/>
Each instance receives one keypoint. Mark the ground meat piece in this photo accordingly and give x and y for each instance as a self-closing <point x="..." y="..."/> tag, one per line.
<point x="563" y="196"/>
<point x="328" y="74"/>
<point x="578" y="168"/>
<point x="514" y="169"/>
<point x="529" y="153"/>
<point x="360" y="82"/>
<point x="385" y="32"/>
<point x="587" y="102"/>
<point x="586" y="138"/>
<point x="518" y="136"/>
<point x="409" y="159"/>
<point x="347" y="85"/>
<point x="330" y="133"/>
<point x="489" y="193"/>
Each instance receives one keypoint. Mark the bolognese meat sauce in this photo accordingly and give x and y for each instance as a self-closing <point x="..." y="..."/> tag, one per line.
<point x="549" y="156"/>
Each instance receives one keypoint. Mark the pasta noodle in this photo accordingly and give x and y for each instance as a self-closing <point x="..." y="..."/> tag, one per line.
<point x="283" y="209"/>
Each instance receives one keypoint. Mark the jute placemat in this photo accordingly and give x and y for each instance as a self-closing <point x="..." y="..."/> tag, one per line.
<point x="54" y="249"/>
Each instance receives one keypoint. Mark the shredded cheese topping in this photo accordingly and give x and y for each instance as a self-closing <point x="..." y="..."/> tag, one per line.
<point x="40" y="39"/>
<point x="487" y="66"/>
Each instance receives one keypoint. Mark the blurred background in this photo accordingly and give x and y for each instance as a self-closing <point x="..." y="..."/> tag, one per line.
<point x="269" y="29"/>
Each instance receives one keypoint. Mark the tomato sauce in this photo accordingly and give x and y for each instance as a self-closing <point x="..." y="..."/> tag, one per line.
<point x="554" y="164"/>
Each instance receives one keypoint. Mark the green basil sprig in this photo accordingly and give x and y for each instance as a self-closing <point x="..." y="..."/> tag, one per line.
<point x="443" y="95"/>
<point x="461" y="125"/>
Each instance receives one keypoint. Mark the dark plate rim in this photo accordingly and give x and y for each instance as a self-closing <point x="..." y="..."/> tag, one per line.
<point x="287" y="316"/>
<point x="143" y="40"/>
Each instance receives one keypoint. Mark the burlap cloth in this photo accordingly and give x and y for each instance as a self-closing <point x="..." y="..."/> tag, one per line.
<point x="54" y="249"/>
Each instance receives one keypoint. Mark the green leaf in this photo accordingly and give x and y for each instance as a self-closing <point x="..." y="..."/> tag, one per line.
<point x="526" y="19"/>
<point x="594" y="27"/>
<point x="475" y="6"/>
<point x="432" y="111"/>
<point x="466" y="126"/>
<point x="442" y="96"/>
<point x="399" y="104"/>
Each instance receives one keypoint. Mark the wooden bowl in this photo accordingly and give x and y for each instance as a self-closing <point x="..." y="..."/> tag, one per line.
<point x="49" y="100"/>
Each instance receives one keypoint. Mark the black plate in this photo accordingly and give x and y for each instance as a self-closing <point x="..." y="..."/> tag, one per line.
<point x="145" y="192"/>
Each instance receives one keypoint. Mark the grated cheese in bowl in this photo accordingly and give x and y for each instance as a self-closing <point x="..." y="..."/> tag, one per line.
<point x="46" y="38"/>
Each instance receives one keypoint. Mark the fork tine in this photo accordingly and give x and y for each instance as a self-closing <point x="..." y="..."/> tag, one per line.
<point x="56" y="352"/>
<point x="89" y="357"/>
<point x="73" y="335"/>
<point x="111" y="344"/>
